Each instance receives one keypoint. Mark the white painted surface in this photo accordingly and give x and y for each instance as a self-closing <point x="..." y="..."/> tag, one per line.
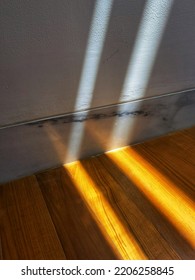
<point x="43" y="47"/>
<point x="28" y="148"/>
<point x="84" y="96"/>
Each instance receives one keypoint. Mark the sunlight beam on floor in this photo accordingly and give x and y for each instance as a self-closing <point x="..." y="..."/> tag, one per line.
<point x="174" y="204"/>
<point x="120" y="239"/>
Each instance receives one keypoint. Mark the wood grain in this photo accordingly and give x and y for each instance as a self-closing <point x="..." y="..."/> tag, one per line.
<point x="27" y="231"/>
<point x="78" y="232"/>
<point x="117" y="234"/>
<point x="173" y="156"/>
<point x="135" y="223"/>
<point x="132" y="203"/>
<point x="166" y="230"/>
<point x="1" y="251"/>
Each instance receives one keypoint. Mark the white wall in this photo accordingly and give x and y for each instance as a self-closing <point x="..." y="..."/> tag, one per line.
<point x="44" y="44"/>
<point x="123" y="57"/>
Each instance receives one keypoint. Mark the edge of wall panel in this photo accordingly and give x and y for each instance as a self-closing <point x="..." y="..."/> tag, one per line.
<point x="38" y="145"/>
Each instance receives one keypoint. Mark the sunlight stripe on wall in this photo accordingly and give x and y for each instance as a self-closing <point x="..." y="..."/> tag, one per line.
<point x="92" y="58"/>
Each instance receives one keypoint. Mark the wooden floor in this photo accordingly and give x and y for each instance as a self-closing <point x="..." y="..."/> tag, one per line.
<point x="132" y="203"/>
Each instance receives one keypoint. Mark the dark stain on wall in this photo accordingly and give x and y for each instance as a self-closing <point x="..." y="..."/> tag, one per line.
<point x="85" y="117"/>
<point x="165" y="111"/>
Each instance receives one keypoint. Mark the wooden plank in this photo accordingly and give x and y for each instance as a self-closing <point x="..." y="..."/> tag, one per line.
<point x="162" y="173"/>
<point x="132" y="203"/>
<point x="166" y="230"/>
<point x="190" y="132"/>
<point x="79" y="233"/>
<point x="1" y="252"/>
<point x="133" y="220"/>
<point x="27" y="231"/>
<point x="173" y="156"/>
<point x="119" y="238"/>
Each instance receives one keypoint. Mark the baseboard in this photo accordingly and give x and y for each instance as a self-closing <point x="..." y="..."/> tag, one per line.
<point x="37" y="145"/>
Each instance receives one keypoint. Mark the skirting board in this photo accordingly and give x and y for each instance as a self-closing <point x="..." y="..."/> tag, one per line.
<point x="38" y="145"/>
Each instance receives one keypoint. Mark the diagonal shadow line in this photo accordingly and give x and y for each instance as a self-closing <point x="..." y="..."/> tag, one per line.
<point x="110" y="199"/>
<point x="76" y="228"/>
<point x="173" y="180"/>
<point x="170" y="233"/>
<point x="170" y="189"/>
<point x="107" y="189"/>
<point x="152" y="213"/>
<point x="114" y="230"/>
<point x="188" y="248"/>
<point x="167" y="164"/>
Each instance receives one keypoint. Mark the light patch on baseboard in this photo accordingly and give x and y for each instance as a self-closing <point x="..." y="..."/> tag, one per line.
<point x="92" y="58"/>
<point x="148" y="39"/>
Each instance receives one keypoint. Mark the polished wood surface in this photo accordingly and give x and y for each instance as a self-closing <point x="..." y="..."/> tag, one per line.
<point x="79" y="233"/>
<point x="26" y="228"/>
<point x="132" y="203"/>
